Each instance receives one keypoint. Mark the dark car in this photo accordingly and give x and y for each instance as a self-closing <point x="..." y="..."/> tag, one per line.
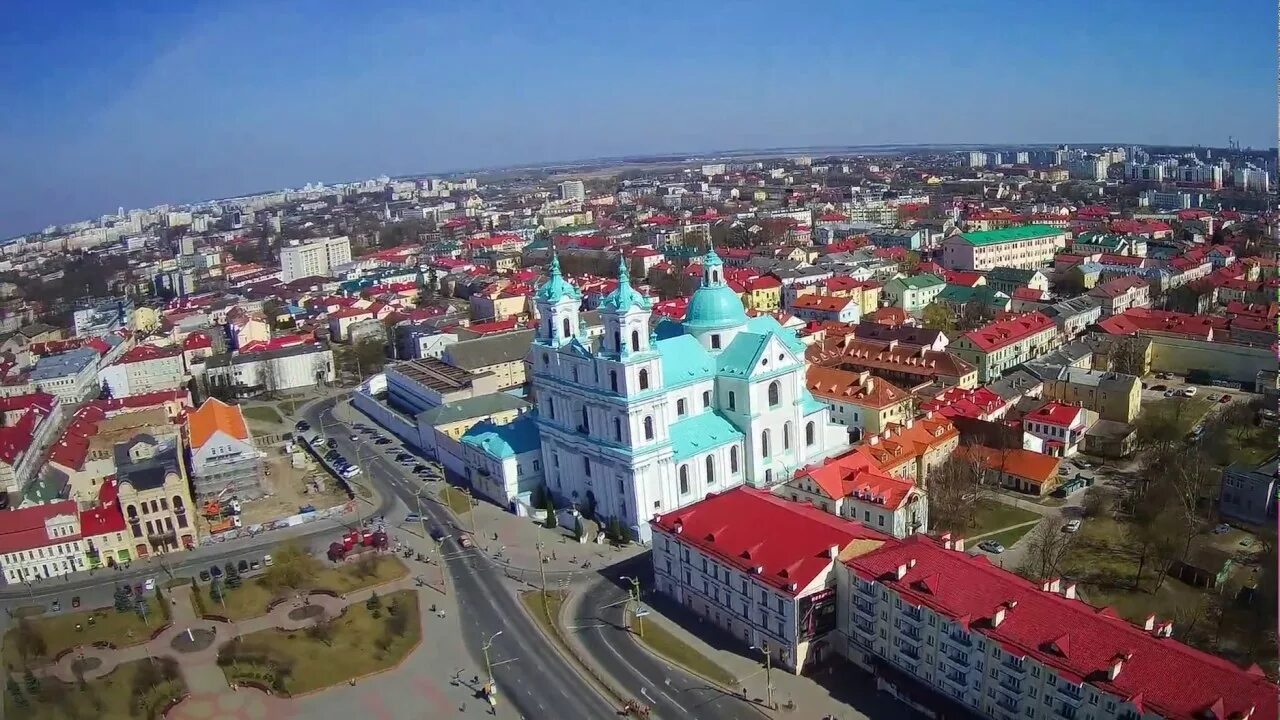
<point x="435" y="532"/>
<point x="331" y="443"/>
<point x="302" y="426"/>
<point x="204" y="575"/>
<point x="382" y="441"/>
<point x="419" y="468"/>
<point x="1159" y="388"/>
<point x="401" y="457"/>
<point x="215" y="571"/>
<point x="55" y="606"/>
<point x="243" y="566"/>
<point x="128" y="589"/>
<point x="75" y="601"/>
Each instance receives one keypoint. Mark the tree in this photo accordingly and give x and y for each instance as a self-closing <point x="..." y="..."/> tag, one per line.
<point x="374" y="602"/>
<point x="579" y="532"/>
<point x="292" y="568"/>
<point x="1047" y="546"/>
<point x="267" y="378"/>
<point x="15" y="691"/>
<point x="937" y="317"/>
<point x="1097" y="502"/>
<point x="215" y="590"/>
<point x="397" y="619"/>
<point x="910" y="263"/>
<point x="123" y="602"/>
<point x="29" y="640"/>
<point x="550" y="522"/>
<point x="974" y="314"/>
<point x="105" y="393"/>
<point x="232" y="575"/>
<point x="32" y="682"/>
<point x="159" y="595"/>
<point x="272" y="309"/>
<point x="1128" y="355"/>
<point x="954" y="487"/>
<point x="323" y="629"/>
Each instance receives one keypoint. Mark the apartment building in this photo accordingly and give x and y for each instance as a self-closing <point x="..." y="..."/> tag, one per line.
<point x="275" y="369"/>
<point x="908" y="366"/>
<point x="1026" y="246"/>
<point x="827" y="308"/>
<point x="1114" y="396"/>
<point x="775" y="593"/>
<point x="912" y="449"/>
<point x="1061" y="427"/>
<point x="860" y="401"/>
<point x="923" y="614"/>
<point x="311" y="258"/>
<point x="71" y="376"/>
<point x="1073" y="315"/>
<point x="852" y="487"/>
<point x="223" y="457"/>
<point x="913" y="294"/>
<point x="1004" y="343"/>
<point x="501" y="357"/>
<point x="1120" y="294"/>
<point x="1009" y="280"/>
<point x="144" y="369"/>
<point x="41" y="542"/>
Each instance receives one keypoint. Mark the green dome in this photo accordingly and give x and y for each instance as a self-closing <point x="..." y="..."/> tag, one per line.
<point x="557" y="288"/>
<point x="715" y="307"/>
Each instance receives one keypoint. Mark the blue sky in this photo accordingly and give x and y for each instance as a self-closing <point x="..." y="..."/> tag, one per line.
<point x="138" y="102"/>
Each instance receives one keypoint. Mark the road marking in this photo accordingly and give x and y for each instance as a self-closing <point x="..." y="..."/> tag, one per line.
<point x="639" y="674"/>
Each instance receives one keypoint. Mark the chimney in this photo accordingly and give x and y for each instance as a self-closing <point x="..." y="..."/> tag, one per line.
<point x="1069" y="592"/>
<point x="1165" y="630"/>
<point x="928" y="415"/>
<point x="998" y="617"/>
<point x="1150" y="623"/>
<point x="679" y="526"/>
<point x="873" y="440"/>
<point x="833" y="552"/>
<point x="1117" y="663"/>
<point x="901" y="571"/>
<point x="958" y="545"/>
<point x="911" y="422"/>
<point x="1055" y="585"/>
<point x="911" y="563"/>
<point x="946" y="541"/>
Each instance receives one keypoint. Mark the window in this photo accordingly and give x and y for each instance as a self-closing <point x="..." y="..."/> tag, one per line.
<point x="575" y="374"/>
<point x="551" y="408"/>
<point x="733" y="459"/>
<point x="715" y="341"/>
<point x="586" y="426"/>
<point x="565" y="325"/>
<point x="764" y="443"/>
<point x="635" y="339"/>
<point x="613" y="380"/>
<point x="808" y="433"/>
<point x="706" y="399"/>
<point x="774" y="393"/>
<point x="644" y="379"/>
<point x="586" y="466"/>
<point x="684" y="481"/>
<point x="617" y="429"/>
<point x="711" y="470"/>
<point x="733" y="401"/>
<point x="617" y="341"/>
<point x="786" y="436"/>
<point x="648" y="427"/>
<point x="680" y="407"/>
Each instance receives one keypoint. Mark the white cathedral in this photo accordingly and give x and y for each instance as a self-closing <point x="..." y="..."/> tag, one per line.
<point x="640" y="421"/>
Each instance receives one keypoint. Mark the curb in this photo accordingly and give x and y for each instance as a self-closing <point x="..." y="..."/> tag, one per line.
<point x="562" y="645"/>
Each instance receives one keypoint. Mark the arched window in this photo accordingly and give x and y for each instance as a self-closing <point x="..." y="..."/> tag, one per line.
<point x="551" y="407"/>
<point x="644" y="379"/>
<point x="546" y="359"/>
<point x="733" y="460"/>
<point x="733" y="401"/>
<point x="613" y="380"/>
<point x="786" y="436"/>
<point x="586" y="426"/>
<point x="635" y="340"/>
<point x="684" y="479"/>
<point x="773" y="394"/>
<point x="648" y="427"/>
<point x="575" y="373"/>
<point x="680" y="406"/>
<point x="565" y="325"/>
<point x="706" y="399"/>
<point x="764" y="443"/>
<point x="711" y="469"/>
<point x="808" y="433"/>
<point x="617" y="429"/>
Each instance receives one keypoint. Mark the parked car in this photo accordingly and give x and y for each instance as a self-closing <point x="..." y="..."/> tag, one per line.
<point x="1170" y="393"/>
<point x="412" y="518"/>
<point x="149" y="585"/>
<point x="991" y="546"/>
<point x="1224" y="399"/>
<point x="1063" y="470"/>
<point x="435" y="532"/>
<point x="1071" y="526"/>
<point x="302" y="426"/>
<point x="1164" y="376"/>
<point x="75" y="601"/>
<point x="1159" y="388"/>
<point x="204" y="575"/>
<point x="254" y="565"/>
<point x="266" y="560"/>
<point x="332" y="443"/>
<point x="1188" y="392"/>
<point x="55" y="606"/>
<point x="243" y="566"/>
<point x="1221" y="528"/>
<point x="419" y="468"/>
<point x="465" y="541"/>
<point x="1213" y="397"/>
<point x="354" y="438"/>
<point x="215" y="571"/>
<point x="382" y="441"/>
<point x="403" y="456"/>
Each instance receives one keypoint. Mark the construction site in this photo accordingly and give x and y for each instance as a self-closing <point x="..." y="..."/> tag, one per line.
<point x="292" y="483"/>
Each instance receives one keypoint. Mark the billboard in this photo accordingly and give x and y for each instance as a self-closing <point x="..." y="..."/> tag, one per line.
<point x="817" y="614"/>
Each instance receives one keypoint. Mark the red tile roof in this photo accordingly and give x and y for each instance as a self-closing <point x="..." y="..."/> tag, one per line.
<point x="978" y="403"/>
<point x="1008" y="331"/>
<point x="1116" y="287"/>
<point x="1080" y="642"/>
<point x="143" y="353"/>
<point x="24" y="529"/>
<point x="1056" y="413"/>
<point x="106" y="517"/>
<point x="197" y="341"/>
<point x="854" y="474"/>
<point x="796" y="550"/>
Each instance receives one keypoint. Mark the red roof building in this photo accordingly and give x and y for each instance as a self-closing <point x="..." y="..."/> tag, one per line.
<point x="40" y="542"/>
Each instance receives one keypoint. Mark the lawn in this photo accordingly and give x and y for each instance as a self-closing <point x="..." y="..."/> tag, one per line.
<point x="457" y="500"/>
<point x="110" y="697"/>
<point x="1253" y="446"/>
<point x="357" y="644"/>
<point x="59" y="631"/>
<point x="661" y="641"/>
<point x="992" y="515"/>
<point x="261" y="413"/>
<point x="1009" y="537"/>
<point x="1184" y="412"/>
<point x="250" y="600"/>
<point x="533" y="602"/>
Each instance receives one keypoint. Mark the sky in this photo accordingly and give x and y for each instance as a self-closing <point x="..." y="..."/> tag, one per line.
<point x="133" y="103"/>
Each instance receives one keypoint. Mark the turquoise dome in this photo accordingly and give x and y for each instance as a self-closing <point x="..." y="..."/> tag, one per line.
<point x="625" y="296"/>
<point x="557" y="288"/>
<point x="715" y="307"/>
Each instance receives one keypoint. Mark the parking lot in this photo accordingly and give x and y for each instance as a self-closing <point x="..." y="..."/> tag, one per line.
<point x="1156" y="387"/>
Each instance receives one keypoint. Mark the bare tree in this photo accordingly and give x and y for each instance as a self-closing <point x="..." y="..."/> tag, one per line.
<point x="323" y="629"/>
<point x="954" y="488"/>
<point x="1047" y="547"/>
<point x="267" y="378"/>
<point x="1128" y="356"/>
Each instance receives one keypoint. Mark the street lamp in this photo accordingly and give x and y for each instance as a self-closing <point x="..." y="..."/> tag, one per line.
<point x="768" y="672"/>
<point x="635" y="613"/>
<point x="488" y="667"/>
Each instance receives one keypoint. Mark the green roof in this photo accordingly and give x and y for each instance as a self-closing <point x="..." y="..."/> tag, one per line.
<point x="684" y="360"/>
<point x="809" y="404"/>
<point x="961" y="294"/>
<point x="919" y="282"/>
<point x="1023" y="232"/>
<point x="475" y="407"/>
<point x="768" y="323"/>
<point x="701" y="433"/>
<point x="504" y="441"/>
<point x="740" y="357"/>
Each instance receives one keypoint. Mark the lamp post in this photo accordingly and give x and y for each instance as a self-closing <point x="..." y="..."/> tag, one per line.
<point x="768" y="673"/>
<point x="633" y="594"/>
<point x="542" y="573"/>
<point x="488" y="667"/>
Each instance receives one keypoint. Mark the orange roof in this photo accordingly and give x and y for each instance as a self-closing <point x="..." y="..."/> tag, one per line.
<point x="212" y="416"/>
<point x="861" y="388"/>
<point x="1034" y="466"/>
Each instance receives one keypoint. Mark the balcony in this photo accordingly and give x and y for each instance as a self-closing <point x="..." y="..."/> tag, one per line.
<point x="962" y="640"/>
<point x="1014" y="666"/>
<point x="914" y="616"/>
<point x="864" y="608"/>
<point x="865" y="590"/>
<point x="1012" y="686"/>
<point x="1013" y="706"/>
<point x="1064" y="711"/>
<point x="1069" y="694"/>
<point x="955" y="657"/>
<point x="956" y="681"/>
<point x="910" y="651"/>
<point x="867" y="627"/>
<point x="908" y="633"/>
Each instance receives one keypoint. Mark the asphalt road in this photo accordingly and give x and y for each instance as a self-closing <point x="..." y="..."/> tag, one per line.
<point x="537" y="681"/>
<point x="672" y="693"/>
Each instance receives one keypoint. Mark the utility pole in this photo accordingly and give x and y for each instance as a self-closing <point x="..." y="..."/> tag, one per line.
<point x="635" y="612"/>
<point x="542" y="573"/>
<point x="471" y="511"/>
<point x="488" y="666"/>
<point x="768" y="674"/>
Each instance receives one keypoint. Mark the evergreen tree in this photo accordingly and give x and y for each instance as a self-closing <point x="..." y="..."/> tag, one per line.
<point x="374" y="602"/>
<point x="16" y="691"/>
<point x="123" y="602"/>
<point x="233" y="576"/>
<point x="578" y="531"/>
<point x="106" y="392"/>
<point x="33" y="682"/>
<point x="551" y="522"/>
<point x="215" y="590"/>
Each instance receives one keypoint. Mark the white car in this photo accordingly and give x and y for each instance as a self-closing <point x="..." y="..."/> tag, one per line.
<point x="351" y="472"/>
<point x="1071" y="526"/>
<point x="1189" y="392"/>
<point x="149" y="585"/>
<point x="266" y="560"/>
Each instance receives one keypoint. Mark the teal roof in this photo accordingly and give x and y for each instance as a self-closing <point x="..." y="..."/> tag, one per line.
<point x="684" y="360"/>
<point x="624" y="296"/>
<point x="809" y="404"/>
<point x="557" y="288"/>
<point x="917" y="282"/>
<point x="740" y="357"/>
<point x="1022" y="232"/>
<point x="504" y="441"/>
<point x="715" y="307"/>
<point x="667" y="329"/>
<point x="768" y="323"/>
<point x="702" y="433"/>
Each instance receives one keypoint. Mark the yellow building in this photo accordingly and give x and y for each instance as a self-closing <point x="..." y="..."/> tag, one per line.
<point x="145" y="319"/>
<point x="764" y="293"/>
<point x="454" y="419"/>
<point x="498" y="306"/>
<point x="501" y="356"/>
<point x="1113" y="396"/>
<point x="859" y="400"/>
<point x="154" y="494"/>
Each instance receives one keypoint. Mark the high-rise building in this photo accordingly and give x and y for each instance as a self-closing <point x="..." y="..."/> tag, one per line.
<point x="977" y="159"/>
<point x="1251" y="179"/>
<point x="309" y="258"/>
<point x="573" y="190"/>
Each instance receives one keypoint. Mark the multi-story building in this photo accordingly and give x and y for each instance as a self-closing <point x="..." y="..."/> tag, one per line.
<point x="1008" y="279"/>
<point x="1251" y="179"/>
<point x="913" y="294"/>
<point x="777" y="594"/>
<point x="144" y="369"/>
<point x="1061" y="427"/>
<point x="71" y="376"/>
<point x="908" y="366"/>
<point x="827" y="308"/>
<point x="503" y="461"/>
<point x="1114" y="396"/>
<point x="223" y="457"/>
<point x="1090" y="169"/>
<point x="501" y="357"/>
<point x="30" y="423"/>
<point x="912" y="449"/>
<point x="1004" y="343"/>
<point x="107" y="541"/>
<point x="859" y="401"/>
<point x="572" y="190"/>
<point x="41" y="542"/>
<point x="98" y="317"/>
<point x="311" y="258"/>
<point x="1120" y="294"/>
<point x="1249" y="492"/>
<point x="1073" y="315"/>
<point x="275" y="369"/>
<point x="153" y="493"/>
<point x="413" y="386"/>
<point x="1026" y="246"/>
<point x="852" y="487"/>
<point x="652" y="421"/>
<point x="921" y="613"/>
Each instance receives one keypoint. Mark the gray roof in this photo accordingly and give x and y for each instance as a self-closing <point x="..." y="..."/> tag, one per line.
<point x="1074" y="306"/>
<point x="226" y="359"/>
<point x="490" y="350"/>
<point x="1014" y="384"/>
<point x="1082" y="376"/>
<point x="475" y="407"/>
<point x="146" y="474"/>
<point x="68" y="363"/>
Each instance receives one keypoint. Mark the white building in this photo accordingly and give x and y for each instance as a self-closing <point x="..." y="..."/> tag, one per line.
<point x="761" y="568"/>
<point x="503" y="461"/>
<point x="573" y="190"/>
<point x="646" y="423"/>
<point x="41" y="542"/>
<point x="71" y="376"/>
<point x="144" y="369"/>
<point x="309" y="258"/>
<point x="273" y="370"/>
<point x="1251" y="179"/>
